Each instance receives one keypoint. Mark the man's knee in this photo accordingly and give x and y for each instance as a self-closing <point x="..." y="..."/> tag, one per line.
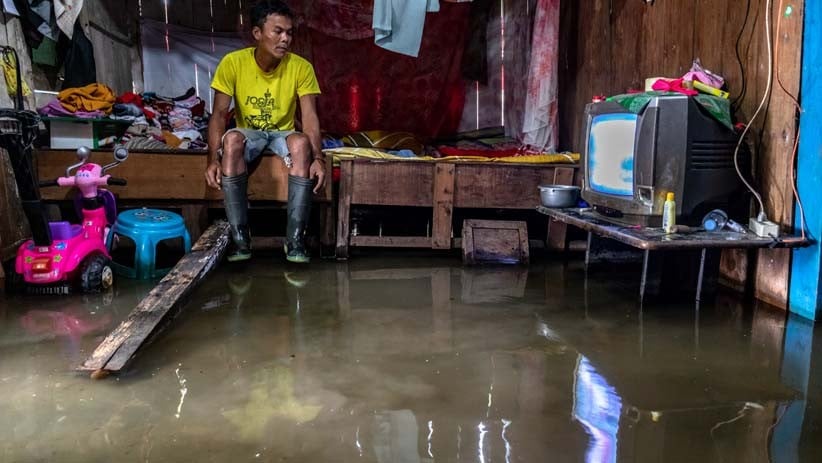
<point x="233" y="145"/>
<point x="300" y="148"/>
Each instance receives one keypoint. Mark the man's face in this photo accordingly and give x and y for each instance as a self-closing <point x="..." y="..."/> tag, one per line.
<point x="275" y="36"/>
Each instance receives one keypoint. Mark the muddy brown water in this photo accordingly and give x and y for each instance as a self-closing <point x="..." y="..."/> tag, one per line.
<point x="406" y="359"/>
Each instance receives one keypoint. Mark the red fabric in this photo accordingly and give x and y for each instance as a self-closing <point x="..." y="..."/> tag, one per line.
<point x="368" y="88"/>
<point x="673" y="86"/>
<point x="130" y="98"/>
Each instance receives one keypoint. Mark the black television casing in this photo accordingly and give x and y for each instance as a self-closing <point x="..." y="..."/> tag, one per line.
<point x="679" y="148"/>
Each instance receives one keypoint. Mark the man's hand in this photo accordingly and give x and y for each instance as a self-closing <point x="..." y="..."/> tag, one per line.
<point x="317" y="170"/>
<point x="214" y="174"/>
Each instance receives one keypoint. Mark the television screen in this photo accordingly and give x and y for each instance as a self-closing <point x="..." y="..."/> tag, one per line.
<point x="611" y="153"/>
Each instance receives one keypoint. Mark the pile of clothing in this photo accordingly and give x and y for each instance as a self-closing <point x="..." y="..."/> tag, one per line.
<point x="175" y="122"/>
<point x="157" y="122"/>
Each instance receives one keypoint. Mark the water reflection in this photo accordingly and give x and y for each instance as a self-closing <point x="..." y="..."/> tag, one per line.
<point x="597" y="406"/>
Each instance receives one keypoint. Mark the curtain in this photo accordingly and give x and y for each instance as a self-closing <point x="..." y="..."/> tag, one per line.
<point x="177" y="58"/>
<point x="366" y="87"/>
<point x="539" y="123"/>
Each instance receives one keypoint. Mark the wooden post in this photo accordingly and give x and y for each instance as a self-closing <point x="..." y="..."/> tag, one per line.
<point x="443" y="205"/>
<point x="780" y="128"/>
<point x="557" y="231"/>
<point x="327" y="209"/>
<point x="196" y="219"/>
<point x="344" y="208"/>
<point x="160" y="305"/>
<point x="805" y="285"/>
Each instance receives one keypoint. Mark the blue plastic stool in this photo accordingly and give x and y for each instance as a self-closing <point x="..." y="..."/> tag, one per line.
<point x="147" y="228"/>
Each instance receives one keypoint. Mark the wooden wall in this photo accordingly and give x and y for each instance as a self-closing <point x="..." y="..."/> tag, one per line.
<point x="610" y="46"/>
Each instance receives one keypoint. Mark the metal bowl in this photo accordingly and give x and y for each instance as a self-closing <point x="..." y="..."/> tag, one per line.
<point x="559" y="196"/>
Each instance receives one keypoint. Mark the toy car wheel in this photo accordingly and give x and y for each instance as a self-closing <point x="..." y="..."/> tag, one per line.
<point x="96" y="274"/>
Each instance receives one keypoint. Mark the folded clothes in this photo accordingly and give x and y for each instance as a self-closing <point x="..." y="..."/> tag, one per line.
<point x="127" y="109"/>
<point x="92" y="97"/>
<point x="55" y="109"/>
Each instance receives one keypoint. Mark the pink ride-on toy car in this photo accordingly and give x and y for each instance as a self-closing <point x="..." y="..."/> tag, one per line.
<point x="74" y="256"/>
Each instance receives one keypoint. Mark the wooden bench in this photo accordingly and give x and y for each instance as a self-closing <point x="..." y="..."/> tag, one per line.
<point x="175" y="179"/>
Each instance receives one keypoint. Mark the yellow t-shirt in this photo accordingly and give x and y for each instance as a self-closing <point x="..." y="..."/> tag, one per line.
<point x="264" y="101"/>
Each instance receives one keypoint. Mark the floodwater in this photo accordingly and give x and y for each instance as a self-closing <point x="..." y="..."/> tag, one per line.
<point x="413" y="360"/>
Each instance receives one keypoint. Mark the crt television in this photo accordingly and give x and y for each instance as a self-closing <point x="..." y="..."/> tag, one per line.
<point x="630" y="161"/>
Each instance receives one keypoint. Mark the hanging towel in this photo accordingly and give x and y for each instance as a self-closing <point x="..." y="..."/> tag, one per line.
<point x="398" y="24"/>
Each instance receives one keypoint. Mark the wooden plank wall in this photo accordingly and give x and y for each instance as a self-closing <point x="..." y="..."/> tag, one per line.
<point x="113" y="29"/>
<point x="610" y="46"/>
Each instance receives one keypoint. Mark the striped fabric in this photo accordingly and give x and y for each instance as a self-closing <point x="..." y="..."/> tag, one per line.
<point x="385" y="140"/>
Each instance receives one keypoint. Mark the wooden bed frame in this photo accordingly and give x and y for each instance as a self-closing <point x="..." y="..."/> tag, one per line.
<point x="175" y="179"/>
<point x="442" y="186"/>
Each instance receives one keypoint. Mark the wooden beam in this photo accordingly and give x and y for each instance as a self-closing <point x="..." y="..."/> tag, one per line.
<point x="344" y="208"/>
<point x="160" y="305"/>
<point x="558" y="231"/>
<point x="773" y="265"/>
<point x="391" y="241"/>
<point x="443" y="206"/>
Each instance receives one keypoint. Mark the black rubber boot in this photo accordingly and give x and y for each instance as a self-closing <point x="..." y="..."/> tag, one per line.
<point x="299" y="211"/>
<point x="235" y="190"/>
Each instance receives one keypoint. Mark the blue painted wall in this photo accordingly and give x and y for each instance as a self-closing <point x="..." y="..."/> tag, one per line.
<point x="806" y="287"/>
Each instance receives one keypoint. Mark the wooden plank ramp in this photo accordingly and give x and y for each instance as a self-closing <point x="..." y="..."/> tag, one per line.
<point x="160" y="305"/>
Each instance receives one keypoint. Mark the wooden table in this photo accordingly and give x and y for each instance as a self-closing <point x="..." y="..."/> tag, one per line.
<point x="442" y="186"/>
<point x="655" y="239"/>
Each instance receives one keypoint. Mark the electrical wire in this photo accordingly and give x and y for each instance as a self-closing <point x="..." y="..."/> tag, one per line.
<point x="761" y="216"/>
<point x="766" y="111"/>
<point x="738" y="100"/>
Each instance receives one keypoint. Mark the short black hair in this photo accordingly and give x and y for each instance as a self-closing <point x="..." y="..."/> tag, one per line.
<point x="264" y="8"/>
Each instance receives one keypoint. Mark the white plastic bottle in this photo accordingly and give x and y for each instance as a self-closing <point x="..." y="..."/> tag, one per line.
<point x="669" y="214"/>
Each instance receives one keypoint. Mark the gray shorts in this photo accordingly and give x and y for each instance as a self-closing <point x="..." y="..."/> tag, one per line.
<point x="259" y="141"/>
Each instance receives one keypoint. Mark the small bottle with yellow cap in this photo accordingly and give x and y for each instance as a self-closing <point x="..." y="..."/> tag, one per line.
<point x="669" y="214"/>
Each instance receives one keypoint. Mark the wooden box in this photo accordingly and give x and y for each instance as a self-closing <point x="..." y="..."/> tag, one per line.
<point x="494" y="242"/>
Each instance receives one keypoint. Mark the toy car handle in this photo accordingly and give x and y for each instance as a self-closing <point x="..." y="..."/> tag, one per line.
<point x="117" y="181"/>
<point x="72" y="181"/>
<point x="65" y="181"/>
<point x="47" y="183"/>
